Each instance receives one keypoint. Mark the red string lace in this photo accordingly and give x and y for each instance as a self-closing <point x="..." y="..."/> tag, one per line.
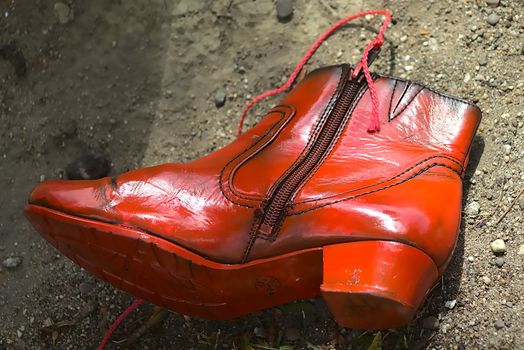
<point x="375" y="44"/>
<point x="117" y="322"/>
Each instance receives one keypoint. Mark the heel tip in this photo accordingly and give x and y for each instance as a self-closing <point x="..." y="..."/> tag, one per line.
<point x="376" y="284"/>
<point x="367" y="310"/>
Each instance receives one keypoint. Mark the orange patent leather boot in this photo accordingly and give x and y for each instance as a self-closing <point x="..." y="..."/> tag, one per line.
<point x="306" y="203"/>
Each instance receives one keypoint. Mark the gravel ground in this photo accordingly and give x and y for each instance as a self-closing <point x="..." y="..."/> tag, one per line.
<point x="140" y="83"/>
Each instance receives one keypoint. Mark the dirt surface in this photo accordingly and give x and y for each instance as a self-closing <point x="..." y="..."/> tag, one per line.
<point x="137" y="81"/>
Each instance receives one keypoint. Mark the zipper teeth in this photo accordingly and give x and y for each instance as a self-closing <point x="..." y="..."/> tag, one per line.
<point x="324" y="139"/>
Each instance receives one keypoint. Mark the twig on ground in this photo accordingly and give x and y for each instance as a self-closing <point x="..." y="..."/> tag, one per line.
<point x="328" y="8"/>
<point x="157" y="317"/>
<point x="510" y="207"/>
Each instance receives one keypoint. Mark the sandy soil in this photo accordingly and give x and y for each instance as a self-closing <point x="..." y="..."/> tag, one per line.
<point x="136" y="80"/>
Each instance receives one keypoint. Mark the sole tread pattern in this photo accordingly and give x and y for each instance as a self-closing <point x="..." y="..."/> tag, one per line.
<point x="170" y="276"/>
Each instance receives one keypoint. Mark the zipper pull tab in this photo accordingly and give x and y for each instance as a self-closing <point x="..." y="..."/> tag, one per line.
<point x="259" y="217"/>
<point x="266" y="230"/>
<point x="372" y="56"/>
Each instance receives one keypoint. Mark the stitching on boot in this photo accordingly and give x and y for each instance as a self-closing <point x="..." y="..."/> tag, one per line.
<point x="233" y="171"/>
<point x="240" y="155"/>
<point x="396" y="114"/>
<point x="387" y="180"/>
<point x="348" y="115"/>
<point x="316" y="130"/>
<point x="332" y="145"/>
<point x="253" y="232"/>
<point x="391" y="99"/>
<point x="423" y="170"/>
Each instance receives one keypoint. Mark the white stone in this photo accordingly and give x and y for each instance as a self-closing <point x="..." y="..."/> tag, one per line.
<point x="12" y="262"/>
<point x="450" y="304"/>
<point x="473" y="209"/>
<point x="498" y="246"/>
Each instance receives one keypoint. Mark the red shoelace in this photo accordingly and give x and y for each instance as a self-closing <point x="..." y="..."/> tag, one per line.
<point x="117" y="322"/>
<point x="375" y="44"/>
<point x="374" y="124"/>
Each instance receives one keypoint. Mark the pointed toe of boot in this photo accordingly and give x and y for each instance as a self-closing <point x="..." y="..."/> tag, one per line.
<point x="83" y="198"/>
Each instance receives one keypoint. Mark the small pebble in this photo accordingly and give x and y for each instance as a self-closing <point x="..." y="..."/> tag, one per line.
<point x="220" y="98"/>
<point x="521" y="203"/>
<point x="493" y="19"/>
<point x="498" y="246"/>
<point x="260" y="332"/>
<point x="431" y="322"/>
<point x="86" y="287"/>
<point x="89" y="166"/>
<point x="499" y="262"/>
<point x="12" y="262"/>
<point x="499" y="324"/>
<point x="483" y="60"/>
<point x="471" y="258"/>
<point x="284" y="10"/>
<point x="445" y="327"/>
<point x="486" y="280"/>
<point x="521" y="250"/>
<point x="493" y="3"/>
<point x="63" y="13"/>
<point x="450" y="304"/>
<point x="473" y="209"/>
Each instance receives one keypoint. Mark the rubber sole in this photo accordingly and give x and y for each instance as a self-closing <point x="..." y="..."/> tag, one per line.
<point x="367" y="285"/>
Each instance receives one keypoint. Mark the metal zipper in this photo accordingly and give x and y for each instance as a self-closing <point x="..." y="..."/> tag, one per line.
<point x="274" y="208"/>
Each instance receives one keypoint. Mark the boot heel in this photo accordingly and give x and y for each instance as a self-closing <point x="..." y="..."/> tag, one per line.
<point x="376" y="284"/>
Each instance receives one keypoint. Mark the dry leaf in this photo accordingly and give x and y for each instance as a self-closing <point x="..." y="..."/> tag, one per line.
<point x="302" y="74"/>
<point x="376" y="344"/>
<point x="47" y="323"/>
<point x="65" y="323"/>
<point x="55" y="337"/>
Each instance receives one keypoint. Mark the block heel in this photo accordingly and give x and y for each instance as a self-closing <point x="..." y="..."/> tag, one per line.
<point x="375" y="284"/>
